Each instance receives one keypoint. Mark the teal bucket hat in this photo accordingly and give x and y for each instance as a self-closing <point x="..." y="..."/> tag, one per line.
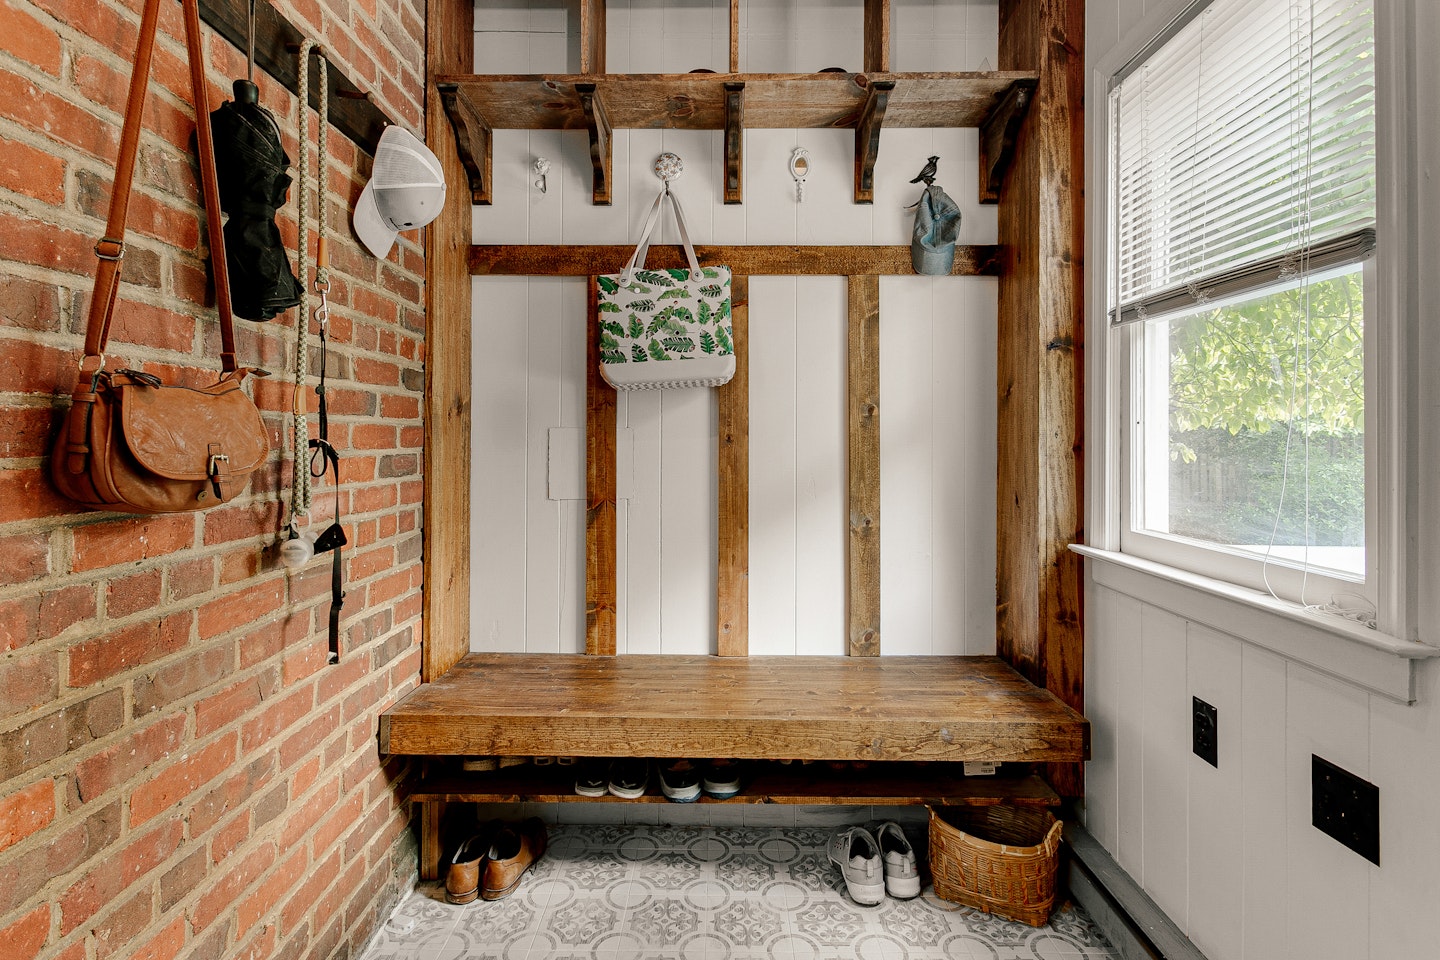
<point x="937" y="224"/>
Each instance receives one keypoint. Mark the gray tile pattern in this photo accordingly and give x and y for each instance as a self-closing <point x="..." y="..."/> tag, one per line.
<point x="657" y="892"/>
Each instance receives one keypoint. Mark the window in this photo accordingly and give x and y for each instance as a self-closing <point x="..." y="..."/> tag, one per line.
<point x="1242" y="283"/>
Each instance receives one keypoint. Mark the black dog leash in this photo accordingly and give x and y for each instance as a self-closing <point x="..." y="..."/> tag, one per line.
<point x="322" y="453"/>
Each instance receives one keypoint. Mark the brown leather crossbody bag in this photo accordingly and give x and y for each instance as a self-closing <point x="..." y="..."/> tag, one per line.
<point x="130" y="442"/>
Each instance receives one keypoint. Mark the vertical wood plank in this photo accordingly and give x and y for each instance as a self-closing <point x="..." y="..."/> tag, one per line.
<point x="734" y="36"/>
<point x="450" y="48"/>
<point x="432" y="812"/>
<point x="1263" y="807"/>
<point x="592" y="36"/>
<point x="1039" y="382"/>
<point x="732" y="606"/>
<point x="877" y="36"/>
<point x="862" y="625"/>
<point x="1164" y="757"/>
<point x="599" y="493"/>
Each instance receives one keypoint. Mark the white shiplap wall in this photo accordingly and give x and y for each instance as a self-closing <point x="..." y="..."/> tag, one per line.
<point x="937" y="357"/>
<point x="1230" y="853"/>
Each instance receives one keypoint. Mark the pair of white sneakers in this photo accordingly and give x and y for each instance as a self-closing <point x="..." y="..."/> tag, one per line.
<point x="874" y="864"/>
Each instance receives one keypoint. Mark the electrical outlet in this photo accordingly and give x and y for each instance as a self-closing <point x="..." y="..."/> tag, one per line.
<point x="1204" y="732"/>
<point x="1345" y="807"/>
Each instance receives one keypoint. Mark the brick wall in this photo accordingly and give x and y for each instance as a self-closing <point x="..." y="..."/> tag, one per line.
<point x="181" y="774"/>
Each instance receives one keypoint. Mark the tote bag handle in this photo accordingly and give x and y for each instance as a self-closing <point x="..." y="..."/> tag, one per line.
<point x="642" y="250"/>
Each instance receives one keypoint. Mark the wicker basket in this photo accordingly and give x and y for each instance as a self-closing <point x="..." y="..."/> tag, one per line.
<point x="1000" y="859"/>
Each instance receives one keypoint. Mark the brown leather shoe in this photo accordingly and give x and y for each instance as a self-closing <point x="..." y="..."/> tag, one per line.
<point x="462" y="879"/>
<point x="512" y="852"/>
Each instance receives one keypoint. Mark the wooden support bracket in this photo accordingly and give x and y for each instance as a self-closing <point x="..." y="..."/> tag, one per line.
<point x="598" y="126"/>
<point x="867" y="139"/>
<point x="734" y="141"/>
<point x="473" y="140"/>
<point x="998" y="133"/>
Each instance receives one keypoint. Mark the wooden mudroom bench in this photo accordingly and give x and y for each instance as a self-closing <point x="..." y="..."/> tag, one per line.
<point x="939" y="709"/>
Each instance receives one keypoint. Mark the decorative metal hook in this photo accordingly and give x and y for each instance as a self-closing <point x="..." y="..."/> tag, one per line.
<point x="800" y="169"/>
<point x="541" y="168"/>
<point x="669" y="166"/>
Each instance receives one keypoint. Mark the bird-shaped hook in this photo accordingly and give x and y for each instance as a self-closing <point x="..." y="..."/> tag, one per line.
<point x="928" y="172"/>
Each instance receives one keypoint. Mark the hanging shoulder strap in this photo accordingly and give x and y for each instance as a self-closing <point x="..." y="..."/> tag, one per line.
<point x="111" y="248"/>
<point x="642" y="249"/>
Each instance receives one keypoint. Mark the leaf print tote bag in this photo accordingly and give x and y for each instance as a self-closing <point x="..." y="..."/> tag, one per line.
<point x="665" y="328"/>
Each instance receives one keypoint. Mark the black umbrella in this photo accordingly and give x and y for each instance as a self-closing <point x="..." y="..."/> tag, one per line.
<point x="250" y="167"/>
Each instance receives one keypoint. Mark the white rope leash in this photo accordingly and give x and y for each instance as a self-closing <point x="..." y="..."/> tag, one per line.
<point x="300" y="495"/>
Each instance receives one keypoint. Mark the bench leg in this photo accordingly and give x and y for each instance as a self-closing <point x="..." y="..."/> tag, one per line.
<point x="431" y="813"/>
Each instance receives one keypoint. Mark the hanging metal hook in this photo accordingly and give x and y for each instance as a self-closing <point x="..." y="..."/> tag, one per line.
<point x="541" y="167"/>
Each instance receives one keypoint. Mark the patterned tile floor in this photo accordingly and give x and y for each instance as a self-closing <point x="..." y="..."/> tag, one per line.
<point x="654" y="892"/>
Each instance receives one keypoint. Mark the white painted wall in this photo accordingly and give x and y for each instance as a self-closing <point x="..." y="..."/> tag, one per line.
<point x="937" y="356"/>
<point x="1229" y="853"/>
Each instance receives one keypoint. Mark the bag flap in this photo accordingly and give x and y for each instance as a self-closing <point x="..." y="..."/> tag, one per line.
<point x="170" y="430"/>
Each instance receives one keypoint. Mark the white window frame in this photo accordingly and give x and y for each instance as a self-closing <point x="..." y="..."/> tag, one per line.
<point x="1399" y="558"/>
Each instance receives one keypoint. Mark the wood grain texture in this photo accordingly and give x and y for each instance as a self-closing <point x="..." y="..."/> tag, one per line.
<point x="697" y="101"/>
<point x="592" y="36"/>
<point x="1038" y="513"/>
<point x="799" y="707"/>
<point x="880" y="783"/>
<point x="473" y="142"/>
<point x="877" y="36"/>
<point x="599" y="492"/>
<point x="734" y="36"/>
<point x="997" y="139"/>
<point x="734" y="142"/>
<point x="597" y="125"/>
<point x="450" y="41"/>
<point x="862" y="588"/>
<point x="581" y="260"/>
<point x="432" y="815"/>
<point x="867" y="139"/>
<point x="732" y="607"/>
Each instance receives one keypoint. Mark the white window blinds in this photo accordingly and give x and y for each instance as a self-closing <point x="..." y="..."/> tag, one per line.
<point x="1242" y="147"/>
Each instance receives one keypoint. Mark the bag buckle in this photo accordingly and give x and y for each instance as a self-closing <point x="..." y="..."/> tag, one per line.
<point x="118" y="245"/>
<point x="218" y="475"/>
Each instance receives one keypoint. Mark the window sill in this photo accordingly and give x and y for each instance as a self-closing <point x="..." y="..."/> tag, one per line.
<point x="1347" y="651"/>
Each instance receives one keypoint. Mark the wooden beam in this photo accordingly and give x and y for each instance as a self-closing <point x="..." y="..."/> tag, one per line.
<point x="450" y="46"/>
<point x="473" y="140"/>
<point x="1040" y="363"/>
<point x="862" y="607"/>
<point x="734" y="36"/>
<point x="592" y="36"/>
<point x="733" y="405"/>
<point x="877" y="36"/>
<point x="734" y="142"/>
<point x="568" y="260"/>
<point x="599" y="492"/>
<point x="997" y="138"/>
<point x="867" y="139"/>
<point x="598" y="127"/>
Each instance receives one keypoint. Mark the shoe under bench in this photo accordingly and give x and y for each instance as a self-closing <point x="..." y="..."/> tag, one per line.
<point x="911" y="717"/>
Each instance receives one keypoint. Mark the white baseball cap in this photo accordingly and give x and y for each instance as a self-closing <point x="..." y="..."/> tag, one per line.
<point x="405" y="192"/>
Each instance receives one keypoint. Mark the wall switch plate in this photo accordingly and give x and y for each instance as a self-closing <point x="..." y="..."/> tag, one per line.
<point x="1205" y="731"/>
<point x="1345" y="807"/>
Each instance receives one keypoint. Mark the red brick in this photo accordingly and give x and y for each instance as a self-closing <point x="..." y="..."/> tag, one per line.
<point x="24" y="557"/>
<point x="268" y="894"/>
<point x="230" y="836"/>
<point x="27" y="681"/>
<point x="165" y="945"/>
<point x="27" y="811"/>
<point x="28" y="304"/>
<point x="234" y="793"/>
<point x="19" y="623"/>
<point x="377" y="372"/>
<point x="340" y="819"/>
<point x="387" y="588"/>
<point x="25" y="431"/>
<point x="268" y="639"/>
<point x="229" y="705"/>
<point x="307" y="894"/>
<point x="44" y="244"/>
<point x="64" y="608"/>
<point x="374" y="499"/>
<point x="130" y="539"/>
<point x="241" y="608"/>
<point x="180" y="780"/>
<point x="151" y="326"/>
<point x="231" y="884"/>
<point x="106" y="655"/>
<point x="305" y="661"/>
<point x="98" y="888"/>
<point x="27" y="170"/>
<point x="82" y="843"/>
<point x="399" y="407"/>
<point x="26" y="493"/>
<point x="123" y="759"/>
<point x="26" y="937"/>
<point x="278" y="716"/>
<point x="183" y="879"/>
<point x="305" y="776"/>
<point x="176" y="681"/>
<point x="373" y="436"/>
<point x="299" y="819"/>
<point x="123" y="926"/>
<point x="239" y="565"/>
<point x="191" y="577"/>
<point x="243" y="521"/>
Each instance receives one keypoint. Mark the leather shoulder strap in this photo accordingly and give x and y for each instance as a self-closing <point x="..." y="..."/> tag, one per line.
<point x="111" y="248"/>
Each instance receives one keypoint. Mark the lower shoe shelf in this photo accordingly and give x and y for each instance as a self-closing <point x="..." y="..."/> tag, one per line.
<point x="897" y="784"/>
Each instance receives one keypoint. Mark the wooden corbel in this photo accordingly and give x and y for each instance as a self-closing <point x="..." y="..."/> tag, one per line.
<point x="867" y="139"/>
<point x="598" y="126"/>
<point x="734" y="141"/>
<point x="998" y="133"/>
<point x="472" y="140"/>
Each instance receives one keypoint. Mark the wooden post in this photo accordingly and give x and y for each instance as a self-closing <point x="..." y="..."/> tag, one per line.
<point x="877" y="36"/>
<point x="733" y="402"/>
<point x="592" y="36"/>
<point x="599" y="492"/>
<point x="1038" y="510"/>
<point x="862" y="606"/>
<point x="450" y="48"/>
